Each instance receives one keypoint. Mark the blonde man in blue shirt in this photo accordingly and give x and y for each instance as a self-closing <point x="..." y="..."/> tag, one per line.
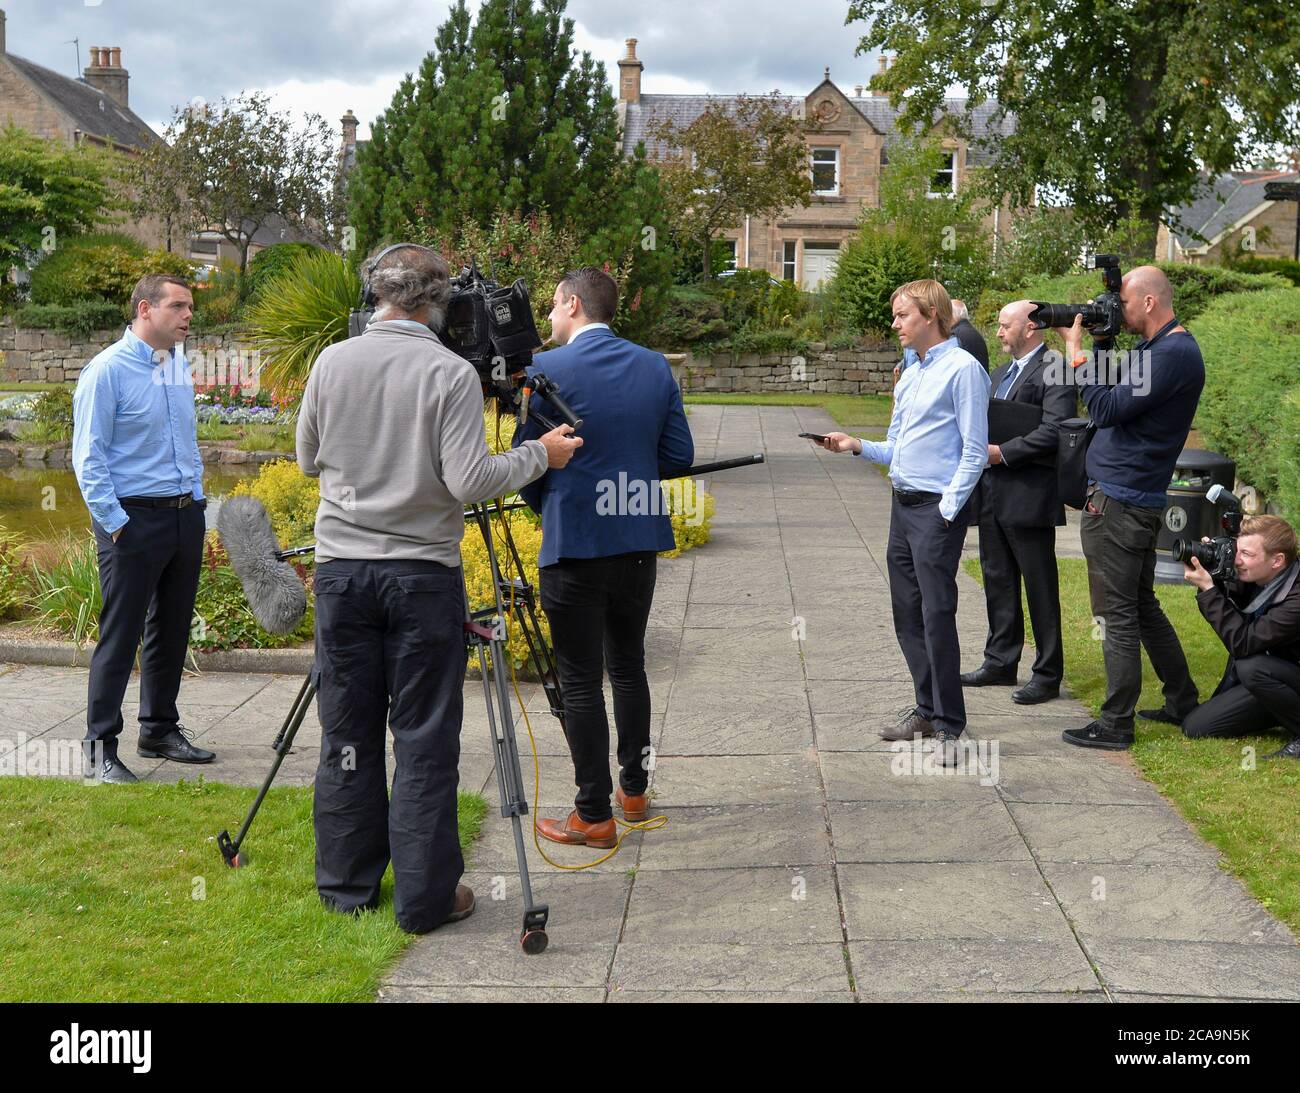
<point x="936" y="449"/>
<point x="136" y="454"/>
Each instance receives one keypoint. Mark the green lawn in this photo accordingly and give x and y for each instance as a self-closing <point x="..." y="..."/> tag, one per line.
<point x="251" y="438"/>
<point x="1251" y="815"/>
<point x="118" y="893"/>
<point x="849" y="411"/>
<point x="7" y="389"/>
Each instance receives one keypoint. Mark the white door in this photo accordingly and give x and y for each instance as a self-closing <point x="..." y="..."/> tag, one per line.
<point x="818" y="267"/>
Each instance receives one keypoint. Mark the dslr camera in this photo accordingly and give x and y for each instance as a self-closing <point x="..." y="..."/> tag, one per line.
<point x="1217" y="557"/>
<point x="1102" y="316"/>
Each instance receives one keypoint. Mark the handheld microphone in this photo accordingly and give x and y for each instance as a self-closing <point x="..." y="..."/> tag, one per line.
<point x="274" y="592"/>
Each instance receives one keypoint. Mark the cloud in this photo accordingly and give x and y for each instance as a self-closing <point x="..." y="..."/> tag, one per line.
<point x="331" y="55"/>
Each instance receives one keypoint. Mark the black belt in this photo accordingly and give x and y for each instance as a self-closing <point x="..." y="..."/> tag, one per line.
<point x="178" y="502"/>
<point x="916" y="497"/>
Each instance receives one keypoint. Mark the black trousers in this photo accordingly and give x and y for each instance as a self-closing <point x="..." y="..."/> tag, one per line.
<point x="149" y="579"/>
<point x="598" y="609"/>
<point x="1009" y="555"/>
<point x="1119" y="543"/>
<point x="923" y="554"/>
<point x="390" y="648"/>
<point x="1268" y="695"/>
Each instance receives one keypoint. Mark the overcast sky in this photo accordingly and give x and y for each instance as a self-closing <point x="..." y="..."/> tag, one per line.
<point x="332" y="55"/>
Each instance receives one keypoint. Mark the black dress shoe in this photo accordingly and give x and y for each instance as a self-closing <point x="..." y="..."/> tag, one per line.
<point x="912" y="724"/>
<point x="1160" y="715"/>
<point x="175" y="746"/>
<point x="987" y="677"/>
<point x="1034" y="692"/>
<point x="1094" y="735"/>
<point x="112" y="772"/>
<point x="1291" y="750"/>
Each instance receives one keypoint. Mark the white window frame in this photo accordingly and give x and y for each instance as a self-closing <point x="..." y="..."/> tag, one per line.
<point x="951" y="153"/>
<point x="730" y="263"/>
<point x="812" y="162"/>
<point x="790" y="261"/>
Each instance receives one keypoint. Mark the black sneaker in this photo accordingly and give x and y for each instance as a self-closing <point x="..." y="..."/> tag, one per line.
<point x="1290" y="750"/>
<point x="1160" y="715"/>
<point x="1094" y="735"/>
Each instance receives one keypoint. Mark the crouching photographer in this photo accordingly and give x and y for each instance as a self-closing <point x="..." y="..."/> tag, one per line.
<point x="1257" y="617"/>
<point x="392" y="422"/>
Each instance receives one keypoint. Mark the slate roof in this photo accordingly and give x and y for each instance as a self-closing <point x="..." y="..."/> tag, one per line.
<point x="1230" y="197"/>
<point x="684" y="109"/>
<point x="92" y="111"/>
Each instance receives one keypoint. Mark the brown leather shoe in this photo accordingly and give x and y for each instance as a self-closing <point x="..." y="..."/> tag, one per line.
<point x="575" y="831"/>
<point x="634" y="805"/>
<point x="464" y="905"/>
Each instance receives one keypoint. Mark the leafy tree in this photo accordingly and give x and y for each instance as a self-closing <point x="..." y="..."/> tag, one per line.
<point x="230" y="168"/>
<point x="743" y="157"/>
<point x="47" y="191"/>
<point x="1117" y="107"/>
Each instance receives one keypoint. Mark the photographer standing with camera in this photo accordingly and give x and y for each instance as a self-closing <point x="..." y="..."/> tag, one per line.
<point x="392" y="422"/>
<point x="1257" y="617"/>
<point x="1142" y="421"/>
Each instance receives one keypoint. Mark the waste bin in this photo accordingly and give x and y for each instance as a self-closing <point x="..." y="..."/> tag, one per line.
<point x="1188" y="515"/>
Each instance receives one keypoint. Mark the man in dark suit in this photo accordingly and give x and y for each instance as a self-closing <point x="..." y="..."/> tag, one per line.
<point x="968" y="337"/>
<point x="604" y="520"/>
<point x="1020" y="510"/>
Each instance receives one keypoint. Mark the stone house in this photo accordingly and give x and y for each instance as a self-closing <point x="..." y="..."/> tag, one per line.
<point x="846" y="152"/>
<point x="1233" y="213"/>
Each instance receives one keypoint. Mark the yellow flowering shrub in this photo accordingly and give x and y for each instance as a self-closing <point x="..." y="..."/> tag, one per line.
<point x="290" y="498"/>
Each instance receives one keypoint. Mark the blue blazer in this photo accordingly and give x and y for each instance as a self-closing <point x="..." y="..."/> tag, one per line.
<point x="607" y="500"/>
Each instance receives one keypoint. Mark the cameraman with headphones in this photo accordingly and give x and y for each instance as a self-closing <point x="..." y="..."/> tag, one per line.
<point x="1257" y="617"/>
<point x="392" y="422"/>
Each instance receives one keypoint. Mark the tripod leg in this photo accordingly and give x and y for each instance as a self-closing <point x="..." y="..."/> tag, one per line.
<point x="230" y="849"/>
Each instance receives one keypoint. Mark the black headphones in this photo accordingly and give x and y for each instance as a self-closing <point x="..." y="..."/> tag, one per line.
<point x="368" y="300"/>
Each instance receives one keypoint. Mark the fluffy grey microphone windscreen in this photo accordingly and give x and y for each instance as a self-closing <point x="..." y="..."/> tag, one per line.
<point x="274" y="592"/>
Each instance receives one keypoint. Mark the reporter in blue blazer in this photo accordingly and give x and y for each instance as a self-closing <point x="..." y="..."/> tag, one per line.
<point x="603" y="523"/>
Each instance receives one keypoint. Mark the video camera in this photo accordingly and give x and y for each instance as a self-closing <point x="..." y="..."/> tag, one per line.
<point x="492" y="327"/>
<point x="1218" y="557"/>
<point x="1102" y="316"/>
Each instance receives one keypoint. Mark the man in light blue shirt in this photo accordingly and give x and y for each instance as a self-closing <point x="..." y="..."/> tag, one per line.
<point x="136" y="454"/>
<point x="936" y="449"/>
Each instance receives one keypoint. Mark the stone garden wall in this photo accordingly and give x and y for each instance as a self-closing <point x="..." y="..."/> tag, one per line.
<point x="48" y="356"/>
<point x="868" y="371"/>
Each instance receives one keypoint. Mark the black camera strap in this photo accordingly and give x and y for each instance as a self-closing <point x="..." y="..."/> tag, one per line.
<point x="1159" y="334"/>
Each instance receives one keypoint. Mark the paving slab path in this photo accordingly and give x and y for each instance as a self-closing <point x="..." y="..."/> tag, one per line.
<point x="803" y="859"/>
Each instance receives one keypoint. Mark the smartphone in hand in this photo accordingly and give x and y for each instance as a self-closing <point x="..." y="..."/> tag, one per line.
<point x="814" y="436"/>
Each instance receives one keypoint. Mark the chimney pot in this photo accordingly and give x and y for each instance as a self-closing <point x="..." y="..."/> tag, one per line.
<point x="107" y="75"/>
<point x="629" y="75"/>
<point x="116" y="57"/>
<point x="631" y="49"/>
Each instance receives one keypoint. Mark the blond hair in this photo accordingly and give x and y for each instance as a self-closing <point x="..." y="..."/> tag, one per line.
<point x="1276" y="534"/>
<point x="932" y="301"/>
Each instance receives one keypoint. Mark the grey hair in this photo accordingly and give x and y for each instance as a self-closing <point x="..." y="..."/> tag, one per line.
<point x="410" y="279"/>
<point x="959" y="311"/>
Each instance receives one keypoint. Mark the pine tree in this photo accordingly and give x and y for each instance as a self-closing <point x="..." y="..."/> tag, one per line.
<point x="500" y="116"/>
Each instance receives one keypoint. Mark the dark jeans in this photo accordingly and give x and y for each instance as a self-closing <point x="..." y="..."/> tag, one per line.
<point x="598" y="609"/>
<point x="149" y="578"/>
<point x="923" y="553"/>
<point x="390" y="648"/>
<point x="1267" y="695"/>
<point x="1119" y="543"/>
<point x="1009" y="555"/>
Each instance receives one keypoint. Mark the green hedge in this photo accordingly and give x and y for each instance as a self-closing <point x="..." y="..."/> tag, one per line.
<point x="266" y="265"/>
<point x="1250" y="409"/>
<point x="77" y="320"/>
<point x="869" y="269"/>
<point x="1284" y="266"/>
<point x="104" y="266"/>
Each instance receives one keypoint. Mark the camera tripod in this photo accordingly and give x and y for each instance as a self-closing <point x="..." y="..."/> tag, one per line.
<point x="485" y="636"/>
